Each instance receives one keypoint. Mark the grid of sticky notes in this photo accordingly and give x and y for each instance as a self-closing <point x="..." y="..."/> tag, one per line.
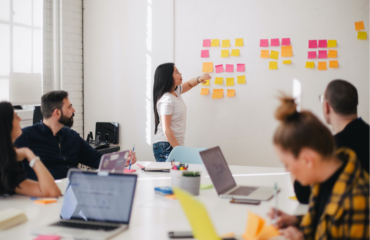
<point x="361" y="35"/>
<point x="318" y="50"/>
<point x="286" y="50"/>
<point x="228" y="50"/>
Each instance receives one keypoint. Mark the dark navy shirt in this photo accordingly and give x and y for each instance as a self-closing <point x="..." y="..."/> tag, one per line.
<point x="58" y="153"/>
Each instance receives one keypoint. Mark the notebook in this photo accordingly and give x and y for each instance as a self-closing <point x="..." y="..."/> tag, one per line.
<point x="159" y="166"/>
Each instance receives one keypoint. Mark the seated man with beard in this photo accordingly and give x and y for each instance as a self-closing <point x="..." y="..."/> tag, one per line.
<point x="59" y="147"/>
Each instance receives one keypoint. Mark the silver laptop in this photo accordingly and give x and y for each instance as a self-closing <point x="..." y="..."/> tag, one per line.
<point x="96" y="205"/>
<point x="224" y="182"/>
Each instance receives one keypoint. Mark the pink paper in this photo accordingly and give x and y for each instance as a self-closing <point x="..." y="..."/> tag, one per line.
<point x="129" y="170"/>
<point x="312" y="54"/>
<point x="323" y="54"/>
<point x="229" y="68"/>
<point x="264" y="43"/>
<point x="206" y="42"/>
<point x="140" y="166"/>
<point x="323" y="43"/>
<point x="285" y="41"/>
<point x="240" y="67"/>
<point x="219" y="68"/>
<point x="312" y="44"/>
<point x="47" y="237"/>
<point x="275" y="42"/>
<point x="204" y="53"/>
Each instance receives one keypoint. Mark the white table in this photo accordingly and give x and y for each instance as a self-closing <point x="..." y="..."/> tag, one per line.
<point x="153" y="216"/>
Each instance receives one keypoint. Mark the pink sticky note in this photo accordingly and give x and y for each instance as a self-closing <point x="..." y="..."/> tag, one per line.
<point x="129" y="170"/>
<point x="323" y="54"/>
<point x="206" y="42"/>
<point x="312" y="54"/>
<point x="140" y="166"/>
<point x="264" y="43"/>
<point x="47" y="237"/>
<point x="240" y="67"/>
<point x="312" y="44"/>
<point x="229" y="68"/>
<point x="219" y="68"/>
<point x="204" y="53"/>
<point x="275" y="42"/>
<point x="323" y="43"/>
<point x="285" y="41"/>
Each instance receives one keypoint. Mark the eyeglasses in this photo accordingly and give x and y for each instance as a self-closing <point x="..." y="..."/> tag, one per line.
<point x="321" y="98"/>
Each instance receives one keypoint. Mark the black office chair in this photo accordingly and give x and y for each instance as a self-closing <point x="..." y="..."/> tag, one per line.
<point x="37" y="115"/>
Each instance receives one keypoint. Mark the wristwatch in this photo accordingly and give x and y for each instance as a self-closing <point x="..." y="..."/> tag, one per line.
<point x="33" y="161"/>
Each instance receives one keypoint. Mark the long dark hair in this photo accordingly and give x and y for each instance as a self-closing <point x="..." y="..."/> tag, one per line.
<point x="10" y="171"/>
<point x="163" y="82"/>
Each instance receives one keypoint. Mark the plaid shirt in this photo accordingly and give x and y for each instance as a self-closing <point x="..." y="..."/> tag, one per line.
<point x="346" y="215"/>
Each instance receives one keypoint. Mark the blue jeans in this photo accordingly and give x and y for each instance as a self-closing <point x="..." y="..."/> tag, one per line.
<point x="161" y="151"/>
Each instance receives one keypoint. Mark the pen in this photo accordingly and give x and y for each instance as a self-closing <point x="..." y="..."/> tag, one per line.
<point x="133" y="149"/>
<point x="276" y="201"/>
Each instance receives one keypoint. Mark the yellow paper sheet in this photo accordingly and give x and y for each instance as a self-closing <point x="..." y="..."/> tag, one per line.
<point x="241" y="80"/>
<point x="359" y="26"/>
<point x="230" y="92"/>
<point x="332" y="54"/>
<point x="286" y="51"/>
<point x="322" y="66"/>
<point x="310" y="64"/>
<point x="215" y="42"/>
<point x="273" y="65"/>
<point x="274" y="55"/>
<point x="219" y="80"/>
<point x="229" y="81"/>
<point x="204" y="91"/>
<point x="197" y="216"/>
<point x="362" y="35"/>
<point x="218" y="93"/>
<point x="235" y="52"/>
<point x="264" y="53"/>
<point x="226" y="43"/>
<point x="333" y="64"/>
<point x="224" y="53"/>
<point x="332" y="43"/>
<point x="207" y="67"/>
<point x="287" y="61"/>
<point x="206" y="83"/>
<point x="239" y="42"/>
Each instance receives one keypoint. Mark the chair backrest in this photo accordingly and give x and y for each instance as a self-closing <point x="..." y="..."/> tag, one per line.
<point x="186" y="155"/>
<point x="37" y="115"/>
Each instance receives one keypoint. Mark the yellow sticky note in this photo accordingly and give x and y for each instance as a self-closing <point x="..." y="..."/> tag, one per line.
<point x="197" y="215"/>
<point x="286" y="51"/>
<point x="264" y="53"/>
<point x="293" y="198"/>
<point x="219" y="80"/>
<point x="333" y="64"/>
<point x="235" y="52"/>
<point x="287" y="61"/>
<point x="207" y="67"/>
<point x="239" y="42"/>
<point x="229" y="81"/>
<point x="241" y="80"/>
<point x="273" y="65"/>
<point x="215" y="43"/>
<point x="359" y="26"/>
<point x="230" y="92"/>
<point x="226" y="43"/>
<point x="204" y="91"/>
<point x="332" y="54"/>
<point x="362" y="35"/>
<point x="322" y="66"/>
<point x="224" y="53"/>
<point x="274" y="55"/>
<point x="332" y="43"/>
<point x="206" y="83"/>
<point x="218" y="93"/>
<point x="310" y="64"/>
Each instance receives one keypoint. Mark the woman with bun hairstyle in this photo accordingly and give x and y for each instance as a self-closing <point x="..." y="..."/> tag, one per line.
<point x="339" y="203"/>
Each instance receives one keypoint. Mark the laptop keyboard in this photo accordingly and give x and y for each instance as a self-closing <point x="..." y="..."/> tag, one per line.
<point x="85" y="226"/>
<point x="244" y="191"/>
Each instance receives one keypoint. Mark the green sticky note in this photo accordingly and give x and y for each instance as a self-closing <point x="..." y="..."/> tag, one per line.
<point x="206" y="186"/>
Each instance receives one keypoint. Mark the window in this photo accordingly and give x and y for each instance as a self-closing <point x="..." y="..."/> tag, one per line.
<point x="21" y="41"/>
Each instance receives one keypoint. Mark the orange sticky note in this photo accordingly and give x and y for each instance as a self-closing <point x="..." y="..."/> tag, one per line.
<point x="207" y="67"/>
<point x="45" y="201"/>
<point x="172" y="196"/>
<point x="332" y="54"/>
<point x="322" y="66"/>
<point x="268" y="232"/>
<point x="218" y="93"/>
<point x="264" y="53"/>
<point x="230" y="92"/>
<point x="359" y="26"/>
<point x="204" y="91"/>
<point x="286" y="51"/>
<point x="333" y="64"/>
<point x="254" y="226"/>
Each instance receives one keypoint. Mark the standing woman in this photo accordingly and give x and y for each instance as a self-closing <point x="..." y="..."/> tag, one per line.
<point x="170" y="109"/>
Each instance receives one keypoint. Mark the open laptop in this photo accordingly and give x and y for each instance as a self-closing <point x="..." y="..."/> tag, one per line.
<point x="222" y="179"/>
<point x="96" y="205"/>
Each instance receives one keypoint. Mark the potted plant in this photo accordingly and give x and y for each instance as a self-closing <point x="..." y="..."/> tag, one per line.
<point x="190" y="181"/>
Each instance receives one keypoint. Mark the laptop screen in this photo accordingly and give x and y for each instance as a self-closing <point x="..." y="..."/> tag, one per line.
<point x="218" y="169"/>
<point x="102" y="198"/>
